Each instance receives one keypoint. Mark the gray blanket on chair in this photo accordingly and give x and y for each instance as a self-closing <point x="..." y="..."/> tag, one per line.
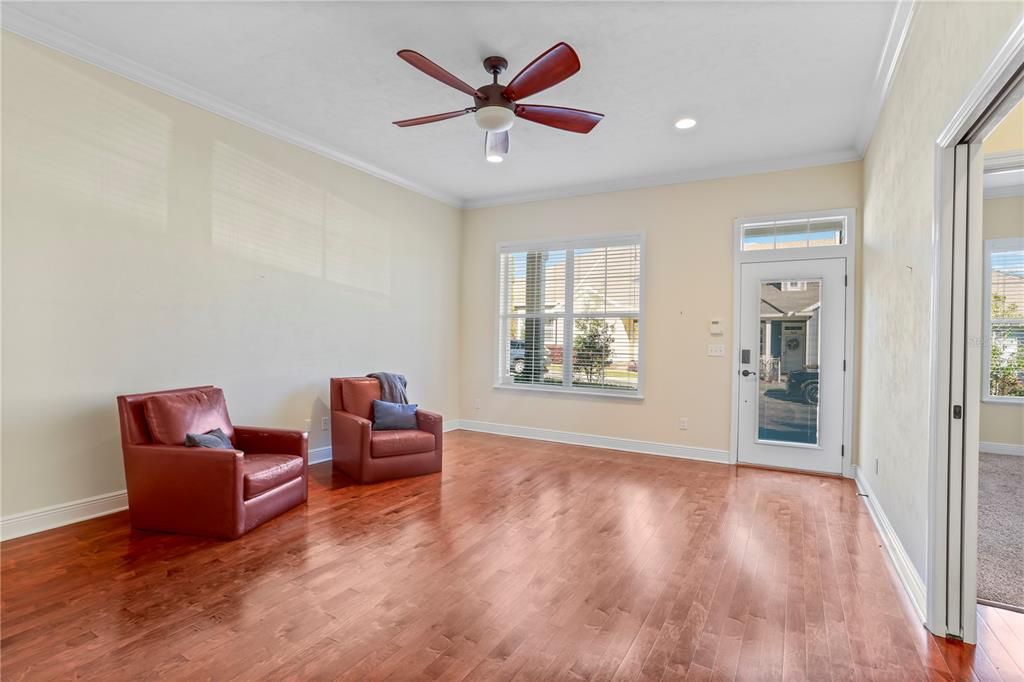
<point x="392" y="387"/>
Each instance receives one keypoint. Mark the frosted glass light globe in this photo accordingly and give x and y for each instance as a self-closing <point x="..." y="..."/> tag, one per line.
<point x="495" y="119"/>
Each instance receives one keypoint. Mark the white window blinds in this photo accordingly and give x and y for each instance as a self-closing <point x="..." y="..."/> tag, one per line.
<point x="1004" y="320"/>
<point x="570" y="315"/>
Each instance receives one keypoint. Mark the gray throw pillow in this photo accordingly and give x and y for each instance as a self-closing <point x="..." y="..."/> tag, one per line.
<point x="393" y="416"/>
<point x="215" y="438"/>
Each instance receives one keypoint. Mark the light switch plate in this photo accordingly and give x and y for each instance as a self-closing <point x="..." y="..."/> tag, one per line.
<point x="716" y="350"/>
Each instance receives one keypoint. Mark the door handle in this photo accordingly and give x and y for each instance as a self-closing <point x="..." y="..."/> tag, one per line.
<point x="746" y="372"/>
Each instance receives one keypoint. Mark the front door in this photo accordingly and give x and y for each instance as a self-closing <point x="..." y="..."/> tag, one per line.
<point x="791" y="385"/>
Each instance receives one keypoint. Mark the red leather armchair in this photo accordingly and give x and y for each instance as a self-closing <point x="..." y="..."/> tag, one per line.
<point x="221" y="493"/>
<point x="369" y="456"/>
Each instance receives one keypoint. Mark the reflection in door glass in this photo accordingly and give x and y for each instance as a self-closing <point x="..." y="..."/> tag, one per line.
<point x="787" y="397"/>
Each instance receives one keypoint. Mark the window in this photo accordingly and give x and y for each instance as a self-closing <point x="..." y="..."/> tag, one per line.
<point x="570" y="315"/>
<point x="798" y="233"/>
<point x="1004" y="320"/>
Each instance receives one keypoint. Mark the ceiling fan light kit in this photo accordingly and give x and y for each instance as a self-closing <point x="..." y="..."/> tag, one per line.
<point x="496" y="107"/>
<point x="495" y="119"/>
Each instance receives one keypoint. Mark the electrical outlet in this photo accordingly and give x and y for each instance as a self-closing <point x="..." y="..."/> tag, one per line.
<point x="684" y="423"/>
<point x="476" y="404"/>
<point x="307" y="424"/>
<point x="323" y="423"/>
<point x="716" y="350"/>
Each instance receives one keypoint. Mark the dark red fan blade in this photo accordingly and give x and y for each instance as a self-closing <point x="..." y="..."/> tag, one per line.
<point x="431" y="119"/>
<point x="551" y="68"/>
<point x="434" y="71"/>
<point x="573" y="120"/>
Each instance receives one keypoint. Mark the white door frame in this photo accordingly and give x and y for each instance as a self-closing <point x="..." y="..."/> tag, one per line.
<point x="955" y="348"/>
<point x="847" y="250"/>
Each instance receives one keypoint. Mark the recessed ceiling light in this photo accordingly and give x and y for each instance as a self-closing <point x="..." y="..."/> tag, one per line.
<point x="685" y="123"/>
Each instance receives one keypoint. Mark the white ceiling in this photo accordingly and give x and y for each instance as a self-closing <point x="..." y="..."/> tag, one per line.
<point x="771" y="84"/>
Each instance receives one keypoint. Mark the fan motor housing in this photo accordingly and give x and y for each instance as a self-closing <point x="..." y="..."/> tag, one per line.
<point x="493" y="97"/>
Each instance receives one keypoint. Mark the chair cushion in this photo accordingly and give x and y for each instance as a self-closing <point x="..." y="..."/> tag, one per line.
<point x="393" y="416"/>
<point x="391" y="443"/>
<point x="171" y="416"/>
<point x="261" y="473"/>
<point x="211" y="439"/>
<point x="358" y="394"/>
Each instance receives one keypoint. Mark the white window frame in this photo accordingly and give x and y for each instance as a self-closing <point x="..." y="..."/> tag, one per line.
<point x="993" y="246"/>
<point x="568" y="244"/>
<point x="794" y="252"/>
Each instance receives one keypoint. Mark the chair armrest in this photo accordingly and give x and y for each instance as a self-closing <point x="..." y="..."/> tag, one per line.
<point x="350" y="436"/>
<point x="272" y="441"/>
<point x="431" y="422"/>
<point x="179" y="489"/>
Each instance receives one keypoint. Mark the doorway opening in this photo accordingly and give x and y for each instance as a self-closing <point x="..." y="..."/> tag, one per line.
<point x="793" y="316"/>
<point x="976" y="519"/>
<point x="1001" y="409"/>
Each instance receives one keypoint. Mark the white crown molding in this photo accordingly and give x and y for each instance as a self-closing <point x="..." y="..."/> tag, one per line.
<point x="973" y="110"/>
<point x="23" y="25"/>
<point x="908" y="575"/>
<point x="887" y="63"/>
<point x="1004" y="192"/>
<point x="1004" y="161"/>
<point x="1004" y="175"/>
<point x="27" y="27"/>
<point x="671" y="178"/>
<point x="592" y="441"/>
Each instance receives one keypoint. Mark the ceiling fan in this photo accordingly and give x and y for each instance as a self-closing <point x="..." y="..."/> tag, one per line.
<point x="497" y="106"/>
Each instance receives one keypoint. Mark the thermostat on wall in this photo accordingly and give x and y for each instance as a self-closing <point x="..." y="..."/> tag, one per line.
<point x="716" y="328"/>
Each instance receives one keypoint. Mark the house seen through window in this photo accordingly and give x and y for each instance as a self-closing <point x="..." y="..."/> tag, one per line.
<point x="570" y="315"/>
<point x="1004" y="320"/>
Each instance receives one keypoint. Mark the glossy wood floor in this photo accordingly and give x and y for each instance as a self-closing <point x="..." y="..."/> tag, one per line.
<point x="523" y="560"/>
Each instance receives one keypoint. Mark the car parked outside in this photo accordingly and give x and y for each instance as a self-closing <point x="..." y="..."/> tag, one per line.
<point x="517" y="356"/>
<point x="803" y="384"/>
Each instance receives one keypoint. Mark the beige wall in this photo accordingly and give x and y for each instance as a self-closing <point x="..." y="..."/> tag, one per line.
<point x="149" y="244"/>
<point x="688" y="280"/>
<point x="1008" y="135"/>
<point x="1002" y="423"/>
<point x="948" y="47"/>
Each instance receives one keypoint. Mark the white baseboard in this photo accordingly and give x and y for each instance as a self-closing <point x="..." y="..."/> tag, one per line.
<point x="37" y="520"/>
<point x="317" y="455"/>
<point x="1002" y="449"/>
<point x="911" y="579"/>
<point x="607" y="442"/>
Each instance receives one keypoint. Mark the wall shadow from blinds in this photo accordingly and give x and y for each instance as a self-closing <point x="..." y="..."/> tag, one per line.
<point x="265" y="215"/>
<point x="111" y="160"/>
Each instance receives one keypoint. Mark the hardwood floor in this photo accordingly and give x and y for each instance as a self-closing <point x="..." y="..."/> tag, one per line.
<point x="523" y="560"/>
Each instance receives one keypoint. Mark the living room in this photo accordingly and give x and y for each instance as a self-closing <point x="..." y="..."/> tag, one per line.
<point x="664" y="355"/>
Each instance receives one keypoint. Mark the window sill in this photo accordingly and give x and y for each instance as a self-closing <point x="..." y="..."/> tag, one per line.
<point x="989" y="400"/>
<point x="612" y="395"/>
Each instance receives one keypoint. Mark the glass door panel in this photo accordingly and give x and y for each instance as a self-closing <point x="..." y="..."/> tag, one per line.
<point x="787" y="403"/>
